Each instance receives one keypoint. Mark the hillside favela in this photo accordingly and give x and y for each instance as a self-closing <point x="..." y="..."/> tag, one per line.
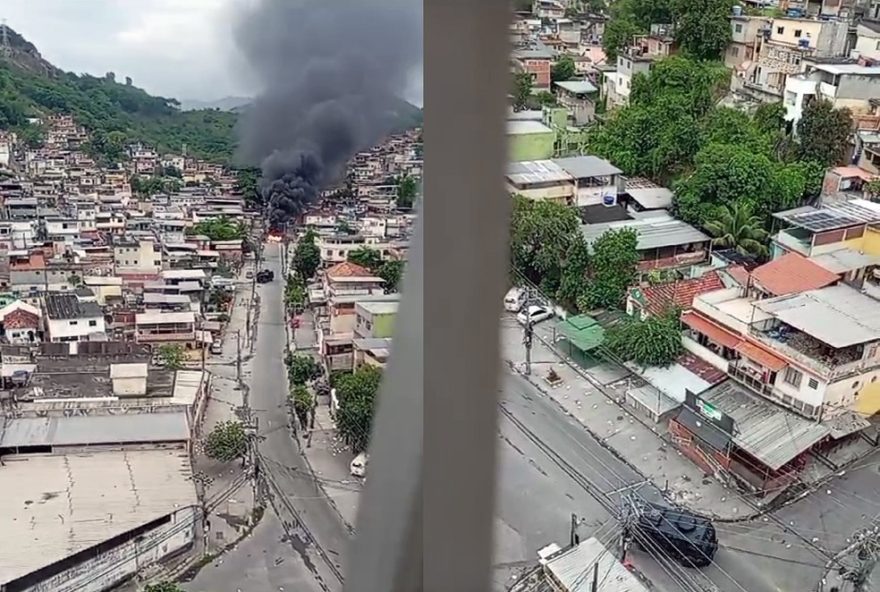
<point x="202" y="260"/>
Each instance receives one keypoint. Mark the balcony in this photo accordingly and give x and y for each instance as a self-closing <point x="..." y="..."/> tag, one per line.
<point x="161" y="337"/>
<point x="750" y="379"/>
<point x="795" y="240"/>
<point x="829" y="91"/>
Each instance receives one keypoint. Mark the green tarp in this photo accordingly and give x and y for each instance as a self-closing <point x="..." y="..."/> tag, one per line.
<point x="582" y="331"/>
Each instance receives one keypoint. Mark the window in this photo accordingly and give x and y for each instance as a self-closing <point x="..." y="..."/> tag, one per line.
<point x="738" y="28"/>
<point x="72" y="323"/>
<point x="809" y="410"/>
<point x="813" y="383"/>
<point x="797" y="33"/>
<point x="792" y="377"/>
<point x="734" y="51"/>
<point x="93" y="323"/>
<point x="780" y="30"/>
<point x="878" y="46"/>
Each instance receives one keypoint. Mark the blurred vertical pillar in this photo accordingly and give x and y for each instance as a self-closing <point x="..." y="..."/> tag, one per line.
<point x="425" y="521"/>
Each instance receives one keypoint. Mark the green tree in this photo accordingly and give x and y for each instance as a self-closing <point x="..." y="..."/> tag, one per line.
<point x="564" y="69"/>
<point x="366" y="257"/>
<point x="702" y="27"/>
<point x="247" y="183"/>
<point x="220" y="229"/>
<point x="303" y="369"/>
<point x="619" y="33"/>
<point x="823" y="133"/>
<point x="172" y="355"/>
<point x="227" y="441"/>
<point x="392" y="272"/>
<point x="172" y="171"/>
<point x="544" y="99"/>
<point x="407" y="190"/>
<point x="573" y="283"/>
<point x="654" y="135"/>
<point x="356" y="393"/>
<point x="522" y="90"/>
<point x="725" y="174"/>
<point x="613" y="268"/>
<point x="655" y="341"/>
<point x="541" y="233"/>
<point x="295" y="292"/>
<point x="303" y="403"/>
<point x="163" y="586"/>
<point x="307" y="256"/>
<point x="737" y="228"/>
<point x="629" y="18"/>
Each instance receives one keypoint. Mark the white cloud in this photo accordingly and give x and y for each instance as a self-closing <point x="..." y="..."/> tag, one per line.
<point x="173" y="48"/>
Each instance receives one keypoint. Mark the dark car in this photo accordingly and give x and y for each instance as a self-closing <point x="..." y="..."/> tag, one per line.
<point x="688" y="538"/>
<point x="265" y="276"/>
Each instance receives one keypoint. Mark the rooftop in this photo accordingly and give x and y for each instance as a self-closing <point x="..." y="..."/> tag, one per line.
<point x="839" y="316"/>
<point x="680" y="294"/>
<point x="792" y="273"/>
<point x="529" y="172"/>
<point x="768" y="432"/>
<point x="648" y="194"/>
<point x="84" y="430"/>
<point x="654" y="232"/>
<point x="577" y="86"/>
<point x="845" y="260"/>
<point x="832" y="216"/>
<point x="68" y="306"/>
<point x="57" y="505"/>
<point x="582" y="167"/>
<point x="378" y="307"/>
<point x="347" y="269"/>
<point x="520" y="127"/>
<point x="568" y="568"/>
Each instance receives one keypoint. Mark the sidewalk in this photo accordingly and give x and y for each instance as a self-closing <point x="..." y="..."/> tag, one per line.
<point x="228" y="494"/>
<point x="634" y="439"/>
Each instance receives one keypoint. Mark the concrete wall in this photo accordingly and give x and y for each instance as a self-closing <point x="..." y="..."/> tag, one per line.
<point x="531" y="146"/>
<point x="854" y="91"/>
<point x="79" y="329"/>
<point x="104" y="571"/>
<point x="383" y="325"/>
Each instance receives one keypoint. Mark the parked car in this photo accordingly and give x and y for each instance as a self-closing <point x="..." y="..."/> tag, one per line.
<point x="534" y="313"/>
<point x="265" y="276"/>
<point x="249" y="274"/>
<point x="514" y="299"/>
<point x="217" y="347"/>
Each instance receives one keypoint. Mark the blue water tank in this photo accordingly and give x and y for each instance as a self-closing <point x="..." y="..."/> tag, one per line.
<point x="609" y="200"/>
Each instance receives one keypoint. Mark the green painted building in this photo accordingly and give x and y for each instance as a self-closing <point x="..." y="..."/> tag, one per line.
<point x="530" y="140"/>
<point x="375" y="319"/>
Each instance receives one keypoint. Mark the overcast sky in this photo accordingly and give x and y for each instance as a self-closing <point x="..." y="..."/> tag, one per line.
<point x="173" y="48"/>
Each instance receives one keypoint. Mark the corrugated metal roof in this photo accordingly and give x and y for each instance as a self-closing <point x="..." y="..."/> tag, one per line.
<point x="653" y="232"/>
<point x="577" y="86"/>
<point x="528" y="172"/>
<point x="572" y="568"/>
<point x="582" y="167"/>
<point x="845" y="260"/>
<point x="766" y="431"/>
<point x="56" y="505"/>
<point x="94" y="429"/>
<point x="839" y="316"/>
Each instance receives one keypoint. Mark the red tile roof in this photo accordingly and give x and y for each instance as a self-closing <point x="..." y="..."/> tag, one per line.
<point x="790" y="274"/>
<point x="657" y="299"/>
<point x="21" y="319"/>
<point x="701" y="368"/>
<point x="738" y="273"/>
<point x="348" y="269"/>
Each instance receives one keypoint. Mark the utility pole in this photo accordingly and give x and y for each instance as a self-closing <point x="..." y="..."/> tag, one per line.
<point x="574" y="538"/>
<point x="866" y="549"/>
<point x="238" y="362"/>
<point x="595" y="586"/>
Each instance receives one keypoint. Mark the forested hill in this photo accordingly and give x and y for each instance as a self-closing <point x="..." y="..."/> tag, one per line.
<point x="116" y="112"/>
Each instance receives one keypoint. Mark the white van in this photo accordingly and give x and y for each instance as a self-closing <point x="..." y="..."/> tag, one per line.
<point x="514" y="299"/>
<point x="359" y="465"/>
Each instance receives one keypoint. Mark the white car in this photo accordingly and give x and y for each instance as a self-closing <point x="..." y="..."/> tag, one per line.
<point x="514" y="299"/>
<point x="358" y="466"/>
<point x="535" y="314"/>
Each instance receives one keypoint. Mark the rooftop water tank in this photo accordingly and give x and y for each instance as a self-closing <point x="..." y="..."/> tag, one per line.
<point x="737" y="10"/>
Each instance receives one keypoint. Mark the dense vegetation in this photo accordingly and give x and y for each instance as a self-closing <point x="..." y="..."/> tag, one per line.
<point x="717" y="158"/>
<point x="114" y="113"/>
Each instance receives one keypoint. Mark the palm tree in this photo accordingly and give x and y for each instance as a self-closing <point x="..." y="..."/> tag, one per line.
<point x="737" y="228"/>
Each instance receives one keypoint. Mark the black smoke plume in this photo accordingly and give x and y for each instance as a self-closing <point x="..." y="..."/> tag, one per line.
<point x="329" y="74"/>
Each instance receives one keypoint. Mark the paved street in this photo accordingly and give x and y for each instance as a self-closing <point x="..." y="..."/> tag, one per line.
<point x="303" y="514"/>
